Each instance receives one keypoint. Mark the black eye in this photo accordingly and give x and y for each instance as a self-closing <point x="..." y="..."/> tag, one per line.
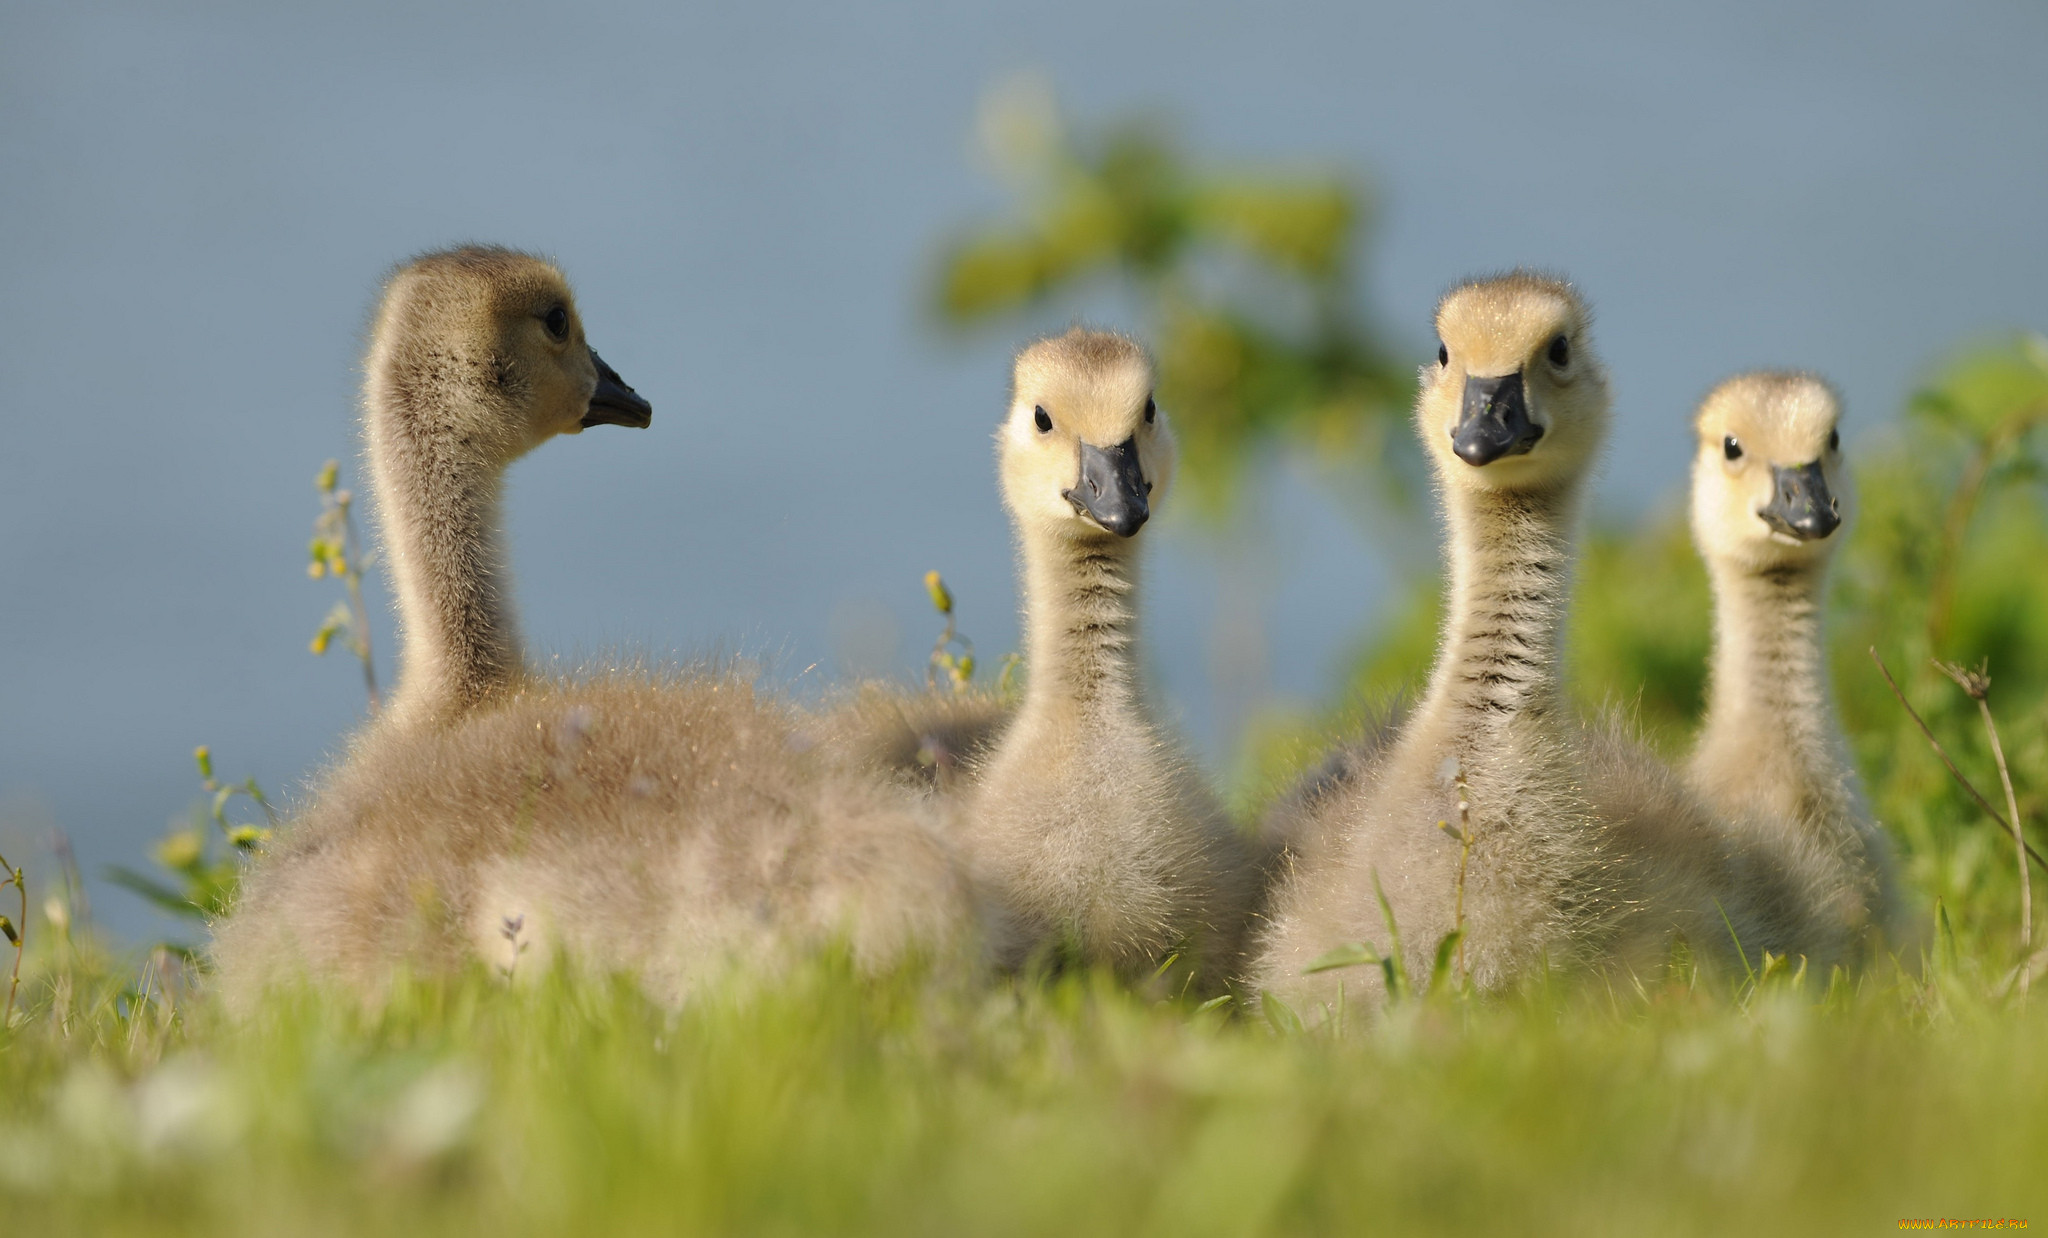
<point x="1151" y="410"/>
<point x="1560" y="352"/>
<point x="1042" y="419"/>
<point x="557" y="322"/>
<point x="1730" y="448"/>
<point x="1834" y="440"/>
<point x="1443" y="355"/>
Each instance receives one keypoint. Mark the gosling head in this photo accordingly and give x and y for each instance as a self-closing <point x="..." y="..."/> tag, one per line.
<point x="1084" y="452"/>
<point x="1517" y="400"/>
<point x="1767" y="473"/>
<point x="495" y="332"/>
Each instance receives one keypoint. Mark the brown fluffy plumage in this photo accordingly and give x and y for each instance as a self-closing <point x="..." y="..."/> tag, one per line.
<point x="1771" y="751"/>
<point x="928" y="740"/>
<point x="661" y="825"/>
<point x="1586" y="850"/>
<point x="668" y="824"/>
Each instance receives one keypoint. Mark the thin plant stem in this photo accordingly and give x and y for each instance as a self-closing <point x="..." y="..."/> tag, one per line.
<point x="136" y="1011"/>
<point x="958" y="667"/>
<point x="18" y="937"/>
<point x="1977" y="686"/>
<point x="79" y="905"/>
<point x="338" y="549"/>
<point x="1941" y="752"/>
<point x="2019" y="845"/>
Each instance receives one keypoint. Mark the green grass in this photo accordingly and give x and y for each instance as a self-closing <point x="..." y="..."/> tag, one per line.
<point x="902" y="1105"/>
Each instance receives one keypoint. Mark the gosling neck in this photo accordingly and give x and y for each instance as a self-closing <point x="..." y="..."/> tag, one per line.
<point x="1510" y="582"/>
<point x="1769" y="722"/>
<point x="1080" y="621"/>
<point x="438" y="478"/>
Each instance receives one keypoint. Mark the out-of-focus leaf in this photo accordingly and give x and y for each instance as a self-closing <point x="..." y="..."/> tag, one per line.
<point x="1265" y="345"/>
<point x="1304" y="227"/>
<point x="156" y="892"/>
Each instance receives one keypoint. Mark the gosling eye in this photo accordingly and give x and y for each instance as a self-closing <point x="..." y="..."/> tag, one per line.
<point x="1443" y="355"/>
<point x="1560" y="352"/>
<point x="1151" y="411"/>
<point x="1834" y="440"/>
<point x="557" y="322"/>
<point x="1730" y="448"/>
<point x="1042" y="419"/>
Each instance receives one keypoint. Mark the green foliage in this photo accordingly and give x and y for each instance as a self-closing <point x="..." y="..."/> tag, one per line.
<point x="337" y="550"/>
<point x="952" y="654"/>
<point x="202" y="862"/>
<point x="1245" y="282"/>
<point x="1945" y="562"/>
<point x="1445" y="981"/>
<point x="200" y="865"/>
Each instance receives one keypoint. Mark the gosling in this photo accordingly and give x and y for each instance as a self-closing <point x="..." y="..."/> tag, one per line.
<point x="1088" y="822"/>
<point x="665" y="823"/>
<point x="1767" y="482"/>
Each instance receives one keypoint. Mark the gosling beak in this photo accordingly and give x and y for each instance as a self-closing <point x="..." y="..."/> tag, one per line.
<point x="1113" y="492"/>
<point x="1494" y="422"/>
<point x="1801" y="505"/>
<point x="614" y="403"/>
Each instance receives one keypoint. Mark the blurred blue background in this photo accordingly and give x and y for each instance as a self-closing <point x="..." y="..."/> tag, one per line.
<point x="198" y="203"/>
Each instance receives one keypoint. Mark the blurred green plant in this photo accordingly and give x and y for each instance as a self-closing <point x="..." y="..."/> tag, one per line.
<point x="1246" y="283"/>
<point x="1944" y="565"/>
<point x="952" y="656"/>
<point x="1390" y="962"/>
<point x="338" y="551"/>
<point x="1977" y="685"/>
<point x="202" y="862"/>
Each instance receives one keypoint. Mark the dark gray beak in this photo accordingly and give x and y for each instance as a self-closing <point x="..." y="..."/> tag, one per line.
<point x="1113" y="492"/>
<point x="614" y="403"/>
<point x="1801" y="505"/>
<point x="1494" y="422"/>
